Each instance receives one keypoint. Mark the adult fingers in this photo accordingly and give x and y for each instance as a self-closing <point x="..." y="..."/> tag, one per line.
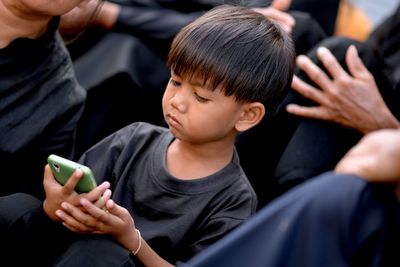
<point x="309" y="91"/>
<point x="284" y="19"/>
<point x="331" y="64"/>
<point x="281" y="5"/>
<point x="309" y="112"/>
<point x="355" y="64"/>
<point x="318" y="76"/>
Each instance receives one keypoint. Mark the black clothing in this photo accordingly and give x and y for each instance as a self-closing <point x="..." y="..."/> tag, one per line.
<point x="41" y="103"/>
<point x="316" y="146"/>
<point x="331" y="221"/>
<point x="178" y="218"/>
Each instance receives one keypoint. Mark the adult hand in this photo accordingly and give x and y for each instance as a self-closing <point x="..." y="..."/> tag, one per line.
<point x="88" y="14"/>
<point x="276" y="12"/>
<point x="376" y="158"/>
<point x="352" y="100"/>
<point x="57" y="193"/>
<point x="282" y="5"/>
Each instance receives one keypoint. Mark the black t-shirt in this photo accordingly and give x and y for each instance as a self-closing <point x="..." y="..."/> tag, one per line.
<point x="178" y="218"/>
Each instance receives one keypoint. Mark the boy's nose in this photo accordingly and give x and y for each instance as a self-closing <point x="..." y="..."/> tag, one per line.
<point x="179" y="101"/>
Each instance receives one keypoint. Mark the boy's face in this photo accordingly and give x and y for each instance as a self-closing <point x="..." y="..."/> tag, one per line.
<point x="197" y="114"/>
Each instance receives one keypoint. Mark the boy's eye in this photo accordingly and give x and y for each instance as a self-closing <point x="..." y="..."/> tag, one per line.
<point x="200" y="98"/>
<point x="174" y="83"/>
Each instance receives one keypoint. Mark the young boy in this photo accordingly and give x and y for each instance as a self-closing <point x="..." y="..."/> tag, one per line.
<point x="183" y="187"/>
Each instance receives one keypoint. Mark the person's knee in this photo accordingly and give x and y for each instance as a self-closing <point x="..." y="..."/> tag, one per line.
<point x="15" y="206"/>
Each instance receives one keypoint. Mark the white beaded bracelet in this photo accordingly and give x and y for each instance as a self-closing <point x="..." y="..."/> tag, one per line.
<point x="140" y="242"/>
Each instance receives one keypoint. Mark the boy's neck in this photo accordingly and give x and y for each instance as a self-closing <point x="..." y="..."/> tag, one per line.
<point x="189" y="161"/>
<point x="14" y="24"/>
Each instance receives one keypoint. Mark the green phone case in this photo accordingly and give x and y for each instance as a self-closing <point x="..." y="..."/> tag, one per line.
<point x="63" y="169"/>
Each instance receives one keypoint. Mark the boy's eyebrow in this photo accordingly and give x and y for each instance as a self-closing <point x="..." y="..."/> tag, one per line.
<point x="196" y="82"/>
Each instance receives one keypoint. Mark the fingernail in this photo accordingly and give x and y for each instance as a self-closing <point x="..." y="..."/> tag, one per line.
<point x="78" y="171"/>
<point x="353" y="47"/>
<point x="322" y="50"/>
<point x="301" y="59"/>
<point x="84" y="201"/>
<point x="64" y="205"/>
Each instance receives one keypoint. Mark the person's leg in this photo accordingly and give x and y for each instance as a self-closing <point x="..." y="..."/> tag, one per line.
<point x="99" y="251"/>
<point x="28" y="236"/>
<point x="332" y="220"/>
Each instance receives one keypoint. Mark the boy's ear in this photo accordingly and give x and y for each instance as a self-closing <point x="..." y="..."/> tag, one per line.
<point x="251" y="115"/>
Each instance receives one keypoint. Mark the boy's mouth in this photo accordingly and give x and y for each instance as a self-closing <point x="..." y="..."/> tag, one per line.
<point x="172" y="121"/>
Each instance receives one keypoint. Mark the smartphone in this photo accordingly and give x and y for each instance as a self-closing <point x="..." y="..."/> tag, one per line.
<point x="63" y="168"/>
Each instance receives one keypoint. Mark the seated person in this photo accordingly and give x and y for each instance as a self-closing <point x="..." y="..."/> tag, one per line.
<point x="335" y="219"/>
<point x="183" y="187"/>
<point x="357" y="96"/>
<point x="41" y="101"/>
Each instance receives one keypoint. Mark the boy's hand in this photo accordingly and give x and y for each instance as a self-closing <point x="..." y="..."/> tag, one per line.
<point x="114" y="220"/>
<point x="57" y="193"/>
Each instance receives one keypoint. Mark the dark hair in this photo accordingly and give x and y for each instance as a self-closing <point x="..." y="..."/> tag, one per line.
<point x="239" y="49"/>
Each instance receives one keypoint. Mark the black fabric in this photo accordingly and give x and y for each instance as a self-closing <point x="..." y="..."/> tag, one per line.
<point x="125" y="75"/>
<point x="177" y="218"/>
<point x="331" y="220"/>
<point x="316" y="146"/>
<point x="324" y="12"/>
<point x="28" y="236"/>
<point x="96" y="251"/>
<point x="41" y="103"/>
<point x="384" y="40"/>
<point x="125" y="86"/>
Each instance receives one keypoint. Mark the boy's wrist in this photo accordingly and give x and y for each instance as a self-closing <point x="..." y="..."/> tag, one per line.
<point x="139" y="242"/>
<point x="50" y="211"/>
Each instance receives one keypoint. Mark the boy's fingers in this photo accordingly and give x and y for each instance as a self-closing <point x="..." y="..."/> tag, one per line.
<point x="101" y="202"/>
<point x="97" y="193"/>
<point x="72" y="181"/>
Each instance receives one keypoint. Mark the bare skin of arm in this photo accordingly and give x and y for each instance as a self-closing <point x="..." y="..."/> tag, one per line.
<point x="376" y="158"/>
<point x="349" y="99"/>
